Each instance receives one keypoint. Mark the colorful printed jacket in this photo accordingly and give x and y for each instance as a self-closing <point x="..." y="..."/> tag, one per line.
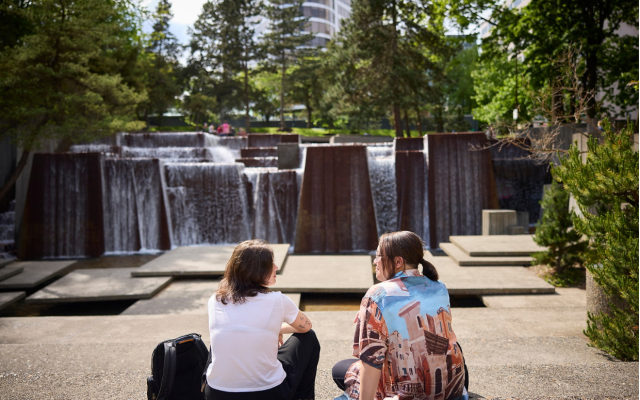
<point x="404" y="328"/>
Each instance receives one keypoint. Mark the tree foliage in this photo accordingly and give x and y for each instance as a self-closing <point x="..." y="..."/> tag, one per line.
<point x="285" y="41"/>
<point x="607" y="180"/>
<point x="63" y="78"/>
<point x="565" y="246"/>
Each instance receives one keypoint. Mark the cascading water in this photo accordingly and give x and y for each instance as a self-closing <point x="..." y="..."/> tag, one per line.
<point x="382" y="170"/>
<point x="135" y="211"/>
<point x="208" y="203"/>
<point x="275" y="196"/>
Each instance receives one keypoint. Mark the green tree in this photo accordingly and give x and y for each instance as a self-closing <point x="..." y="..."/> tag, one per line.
<point x="543" y="30"/>
<point x="224" y="46"/>
<point x="163" y="66"/>
<point x="387" y="57"/>
<point x="307" y="81"/>
<point x="60" y="80"/>
<point x="607" y="179"/>
<point x="565" y="246"/>
<point x="284" y="41"/>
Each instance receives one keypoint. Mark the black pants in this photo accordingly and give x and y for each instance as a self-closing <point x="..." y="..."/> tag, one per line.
<point x="340" y="370"/>
<point x="299" y="358"/>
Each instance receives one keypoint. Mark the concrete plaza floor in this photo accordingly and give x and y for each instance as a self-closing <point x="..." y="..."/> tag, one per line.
<point x="535" y="350"/>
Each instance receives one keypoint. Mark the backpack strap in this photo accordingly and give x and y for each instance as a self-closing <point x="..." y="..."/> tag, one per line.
<point x="204" y="372"/>
<point x="168" y="371"/>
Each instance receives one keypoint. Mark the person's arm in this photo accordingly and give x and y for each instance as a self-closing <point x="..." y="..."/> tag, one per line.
<point x="369" y="378"/>
<point x="302" y="324"/>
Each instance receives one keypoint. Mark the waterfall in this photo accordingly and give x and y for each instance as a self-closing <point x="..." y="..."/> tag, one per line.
<point x="275" y="203"/>
<point x="134" y="204"/>
<point x="383" y="187"/>
<point x="208" y="203"/>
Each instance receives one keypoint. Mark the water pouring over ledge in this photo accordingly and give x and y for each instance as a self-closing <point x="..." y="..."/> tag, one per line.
<point x="153" y="192"/>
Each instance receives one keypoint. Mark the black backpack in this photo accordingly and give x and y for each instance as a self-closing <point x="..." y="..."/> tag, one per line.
<point x="177" y="367"/>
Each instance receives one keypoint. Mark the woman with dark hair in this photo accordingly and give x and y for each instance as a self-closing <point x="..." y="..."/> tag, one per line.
<point x="246" y="324"/>
<point x="404" y="341"/>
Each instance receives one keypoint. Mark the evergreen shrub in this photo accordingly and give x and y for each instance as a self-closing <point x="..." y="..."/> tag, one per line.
<point x="608" y="183"/>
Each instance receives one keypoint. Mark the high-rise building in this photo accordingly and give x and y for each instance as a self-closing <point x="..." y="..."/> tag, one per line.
<point x="325" y="19"/>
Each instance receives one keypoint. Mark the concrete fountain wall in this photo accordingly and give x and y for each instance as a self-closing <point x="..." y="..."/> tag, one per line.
<point x="336" y="211"/>
<point x="155" y="192"/>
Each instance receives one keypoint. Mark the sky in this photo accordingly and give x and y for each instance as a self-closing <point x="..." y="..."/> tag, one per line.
<point x="185" y="13"/>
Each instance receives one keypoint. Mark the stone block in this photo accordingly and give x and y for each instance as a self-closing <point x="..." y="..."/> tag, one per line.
<point x="460" y="184"/>
<point x="288" y="155"/>
<point x="407" y="144"/>
<point x="259" y="152"/>
<point x="336" y="211"/>
<point x="523" y="220"/>
<point x="516" y="230"/>
<point x="270" y="140"/>
<point x="498" y="222"/>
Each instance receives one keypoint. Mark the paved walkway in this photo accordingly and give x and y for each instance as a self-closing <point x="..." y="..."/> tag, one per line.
<point x="534" y="350"/>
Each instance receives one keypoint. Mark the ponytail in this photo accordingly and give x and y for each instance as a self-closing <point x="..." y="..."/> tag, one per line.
<point x="428" y="270"/>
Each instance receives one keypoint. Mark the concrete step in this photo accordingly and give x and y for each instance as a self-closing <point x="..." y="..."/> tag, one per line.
<point x="563" y="297"/>
<point x="199" y="261"/>
<point x="465" y="260"/>
<point x="497" y="245"/>
<point x="36" y="273"/>
<point x="487" y="280"/>
<point x="105" y="284"/>
<point x="183" y="297"/>
<point x="8" y="298"/>
<point x="259" y="152"/>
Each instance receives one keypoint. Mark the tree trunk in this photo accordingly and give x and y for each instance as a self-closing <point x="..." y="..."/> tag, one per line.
<point x="16" y="174"/>
<point x="439" y="120"/>
<point x="247" y="117"/>
<point x="419" y="121"/>
<point x="406" y="123"/>
<point x="397" y="121"/>
<point x="394" y="87"/>
<point x="282" y="125"/>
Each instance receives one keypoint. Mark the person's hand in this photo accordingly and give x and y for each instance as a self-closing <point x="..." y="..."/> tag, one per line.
<point x="280" y="340"/>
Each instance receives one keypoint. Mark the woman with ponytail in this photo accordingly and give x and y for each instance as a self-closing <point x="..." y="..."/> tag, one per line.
<point x="404" y="340"/>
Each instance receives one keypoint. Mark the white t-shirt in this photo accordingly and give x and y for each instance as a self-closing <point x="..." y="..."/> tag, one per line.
<point x="244" y="342"/>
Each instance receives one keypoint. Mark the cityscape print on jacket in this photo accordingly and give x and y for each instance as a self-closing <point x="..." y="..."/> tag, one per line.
<point x="404" y="328"/>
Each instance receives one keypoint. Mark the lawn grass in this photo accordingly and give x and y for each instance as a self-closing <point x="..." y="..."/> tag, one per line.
<point x="327" y="132"/>
<point x="311" y="132"/>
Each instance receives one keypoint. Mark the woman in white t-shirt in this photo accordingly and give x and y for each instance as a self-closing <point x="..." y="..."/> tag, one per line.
<point x="246" y="324"/>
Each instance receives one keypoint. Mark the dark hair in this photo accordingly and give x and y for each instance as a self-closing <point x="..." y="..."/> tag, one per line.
<point x="410" y="247"/>
<point x="246" y="272"/>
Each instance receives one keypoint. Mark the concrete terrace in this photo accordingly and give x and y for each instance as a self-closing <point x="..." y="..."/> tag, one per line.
<point x="526" y="343"/>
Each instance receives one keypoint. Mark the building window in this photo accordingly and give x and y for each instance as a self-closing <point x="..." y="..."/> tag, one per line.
<point x="449" y="323"/>
<point x="419" y="321"/>
<point x="321" y="27"/>
<point x="318" y="42"/>
<point x="328" y="3"/>
<point x="317" y="13"/>
<point x="405" y="371"/>
<point x="343" y="13"/>
<point x="347" y="2"/>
